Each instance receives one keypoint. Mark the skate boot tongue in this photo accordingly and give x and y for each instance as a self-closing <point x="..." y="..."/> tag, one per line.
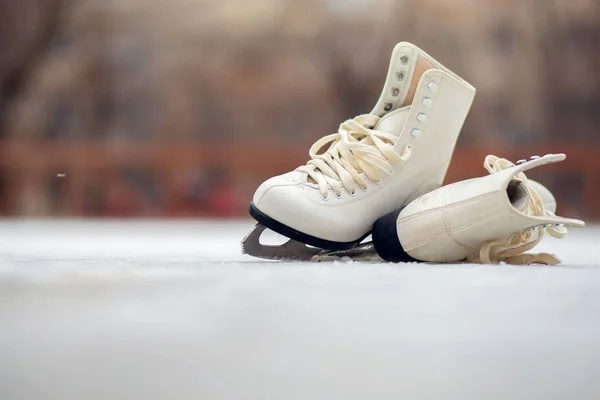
<point x="407" y="65"/>
<point x="407" y="72"/>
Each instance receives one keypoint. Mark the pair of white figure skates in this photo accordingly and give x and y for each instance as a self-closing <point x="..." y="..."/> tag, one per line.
<point x="382" y="175"/>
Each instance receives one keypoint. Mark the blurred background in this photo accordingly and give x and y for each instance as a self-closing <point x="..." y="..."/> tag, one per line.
<point x="181" y="108"/>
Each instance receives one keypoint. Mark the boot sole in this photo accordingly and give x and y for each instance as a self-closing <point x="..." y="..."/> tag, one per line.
<point x="298" y="236"/>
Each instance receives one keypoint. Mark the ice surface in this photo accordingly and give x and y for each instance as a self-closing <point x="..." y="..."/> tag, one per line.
<point x="172" y="310"/>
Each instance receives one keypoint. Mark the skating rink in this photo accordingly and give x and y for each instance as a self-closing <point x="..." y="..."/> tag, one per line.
<point x="172" y="310"/>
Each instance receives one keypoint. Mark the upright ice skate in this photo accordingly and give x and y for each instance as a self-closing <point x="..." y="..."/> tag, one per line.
<point x="375" y="163"/>
<point x="492" y="219"/>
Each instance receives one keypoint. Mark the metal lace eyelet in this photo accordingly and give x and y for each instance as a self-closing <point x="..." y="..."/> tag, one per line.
<point x="388" y="106"/>
<point x="324" y="198"/>
<point x="338" y="196"/>
<point x="400" y="75"/>
<point x="395" y="92"/>
<point x="404" y="59"/>
<point x="364" y="189"/>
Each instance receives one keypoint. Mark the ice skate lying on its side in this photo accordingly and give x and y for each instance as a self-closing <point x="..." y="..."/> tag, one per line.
<point x="374" y="164"/>
<point x="492" y="219"/>
<point x="367" y="252"/>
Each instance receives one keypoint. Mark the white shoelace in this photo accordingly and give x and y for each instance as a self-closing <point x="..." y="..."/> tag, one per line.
<point x="520" y="242"/>
<point x="354" y="149"/>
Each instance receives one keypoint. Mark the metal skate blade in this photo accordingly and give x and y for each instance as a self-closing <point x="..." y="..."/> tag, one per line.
<point x="363" y="252"/>
<point x="290" y="250"/>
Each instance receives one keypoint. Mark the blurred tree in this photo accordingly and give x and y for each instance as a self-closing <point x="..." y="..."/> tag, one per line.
<point x="27" y="28"/>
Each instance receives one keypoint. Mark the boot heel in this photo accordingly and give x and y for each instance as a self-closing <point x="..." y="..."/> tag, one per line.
<point x="386" y="241"/>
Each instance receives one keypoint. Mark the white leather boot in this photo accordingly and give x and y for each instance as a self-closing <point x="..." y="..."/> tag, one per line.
<point x="492" y="219"/>
<point x="374" y="164"/>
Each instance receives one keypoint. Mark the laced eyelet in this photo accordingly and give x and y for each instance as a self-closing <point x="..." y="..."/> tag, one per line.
<point x="324" y="198"/>
<point x="364" y="189"/>
<point x="338" y="196"/>
<point x="352" y="193"/>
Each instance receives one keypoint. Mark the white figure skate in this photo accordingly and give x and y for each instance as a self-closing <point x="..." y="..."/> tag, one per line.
<point x="376" y="163"/>
<point x="492" y="219"/>
<point x="367" y="252"/>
